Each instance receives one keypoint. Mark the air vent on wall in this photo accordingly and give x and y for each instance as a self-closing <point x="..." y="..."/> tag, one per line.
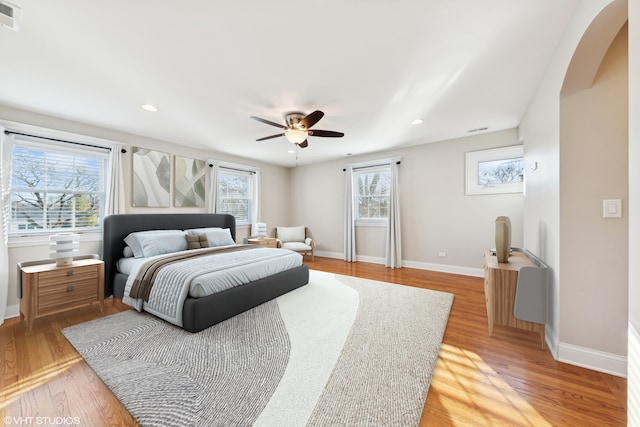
<point x="478" y="129"/>
<point x="10" y="15"/>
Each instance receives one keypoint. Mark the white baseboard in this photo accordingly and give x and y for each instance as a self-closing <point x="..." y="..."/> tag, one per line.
<point x="454" y="269"/>
<point x="596" y="360"/>
<point x="336" y="255"/>
<point x="12" y="311"/>
<point x="444" y="268"/>
<point x="633" y="376"/>
<point x="551" y="337"/>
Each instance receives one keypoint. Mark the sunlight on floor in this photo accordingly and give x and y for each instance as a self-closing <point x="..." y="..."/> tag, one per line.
<point x="461" y="377"/>
<point x="12" y="392"/>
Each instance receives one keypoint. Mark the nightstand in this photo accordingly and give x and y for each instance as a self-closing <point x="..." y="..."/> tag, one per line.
<point x="48" y="289"/>
<point x="268" y="242"/>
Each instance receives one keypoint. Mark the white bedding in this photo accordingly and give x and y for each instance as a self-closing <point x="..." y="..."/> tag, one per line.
<point x="204" y="276"/>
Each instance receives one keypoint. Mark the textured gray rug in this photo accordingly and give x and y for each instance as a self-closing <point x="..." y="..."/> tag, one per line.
<point x="340" y="351"/>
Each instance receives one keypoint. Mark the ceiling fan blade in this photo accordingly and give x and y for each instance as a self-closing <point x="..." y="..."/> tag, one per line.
<point x="269" y="137"/>
<point x="311" y="119"/>
<point x="303" y="144"/>
<point x="326" y="133"/>
<point x="268" y="122"/>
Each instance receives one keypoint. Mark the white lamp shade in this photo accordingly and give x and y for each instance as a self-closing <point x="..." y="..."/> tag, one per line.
<point x="295" y="136"/>
<point x="63" y="247"/>
<point x="259" y="229"/>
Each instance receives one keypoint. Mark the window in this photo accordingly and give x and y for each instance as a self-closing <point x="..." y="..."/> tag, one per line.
<point x="55" y="188"/>
<point x="373" y="186"/>
<point x="235" y="194"/>
<point x="499" y="170"/>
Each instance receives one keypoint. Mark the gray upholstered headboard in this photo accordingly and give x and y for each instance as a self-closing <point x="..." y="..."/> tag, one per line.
<point x="117" y="227"/>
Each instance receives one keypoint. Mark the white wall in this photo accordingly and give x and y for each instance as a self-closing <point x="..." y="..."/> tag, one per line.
<point x="593" y="166"/>
<point x="540" y="131"/>
<point x="274" y="179"/>
<point x="633" y="377"/>
<point x="436" y="214"/>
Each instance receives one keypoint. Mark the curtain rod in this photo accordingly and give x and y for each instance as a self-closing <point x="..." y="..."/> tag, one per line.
<point x="232" y="169"/>
<point x="371" y="166"/>
<point x="9" y="132"/>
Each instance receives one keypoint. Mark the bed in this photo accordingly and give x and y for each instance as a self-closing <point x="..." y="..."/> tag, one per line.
<point x="197" y="313"/>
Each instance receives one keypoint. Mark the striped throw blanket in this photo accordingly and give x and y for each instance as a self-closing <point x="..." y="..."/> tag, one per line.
<point x="161" y="285"/>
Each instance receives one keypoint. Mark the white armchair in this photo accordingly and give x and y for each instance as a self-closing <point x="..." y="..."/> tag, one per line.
<point x="296" y="239"/>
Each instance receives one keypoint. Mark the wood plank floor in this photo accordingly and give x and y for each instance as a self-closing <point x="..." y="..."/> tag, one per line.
<point x="506" y="379"/>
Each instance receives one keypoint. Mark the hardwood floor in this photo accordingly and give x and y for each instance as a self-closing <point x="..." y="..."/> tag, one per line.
<point x="506" y="379"/>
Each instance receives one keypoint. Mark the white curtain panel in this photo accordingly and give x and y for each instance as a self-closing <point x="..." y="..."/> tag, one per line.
<point x="349" y="218"/>
<point x="212" y="201"/>
<point x="394" y="241"/>
<point x="115" y="182"/>
<point x="5" y="178"/>
<point x="255" y="209"/>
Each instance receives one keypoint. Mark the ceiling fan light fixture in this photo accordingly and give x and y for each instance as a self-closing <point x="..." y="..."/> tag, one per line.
<point x="298" y="128"/>
<point x="295" y="136"/>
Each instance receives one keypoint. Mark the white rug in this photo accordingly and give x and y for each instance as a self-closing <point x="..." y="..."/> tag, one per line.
<point x="340" y="351"/>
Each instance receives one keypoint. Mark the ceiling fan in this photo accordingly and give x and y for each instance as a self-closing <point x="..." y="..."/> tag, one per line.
<point x="298" y="128"/>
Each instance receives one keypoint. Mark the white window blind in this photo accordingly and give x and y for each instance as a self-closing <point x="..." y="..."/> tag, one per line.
<point x="56" y="187"/>
<point x="373" y="187"/>
<point x="235" y="194"/>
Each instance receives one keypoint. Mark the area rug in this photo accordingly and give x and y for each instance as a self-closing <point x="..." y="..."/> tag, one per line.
<point x="340" y="351"/>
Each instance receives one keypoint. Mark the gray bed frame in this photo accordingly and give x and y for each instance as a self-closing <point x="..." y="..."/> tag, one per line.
<point x="198" y="313"/>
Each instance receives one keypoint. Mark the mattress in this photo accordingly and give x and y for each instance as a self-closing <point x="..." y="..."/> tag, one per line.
<point x="203" y="276"/>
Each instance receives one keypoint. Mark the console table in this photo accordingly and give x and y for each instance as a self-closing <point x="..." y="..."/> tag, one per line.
<point x="516" y="291"/>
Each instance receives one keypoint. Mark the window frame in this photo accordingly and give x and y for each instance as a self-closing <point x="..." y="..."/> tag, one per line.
<point x="57" y="147"/>
<point x="368" y="221"/>
<point x="251" y="191"/>
<point x="473" y="159"/>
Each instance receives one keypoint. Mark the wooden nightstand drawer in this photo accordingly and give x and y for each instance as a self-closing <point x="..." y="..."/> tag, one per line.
<point x="269" y="242"/>
<point x="67" y="275"/>
<point x="56" y="297"/>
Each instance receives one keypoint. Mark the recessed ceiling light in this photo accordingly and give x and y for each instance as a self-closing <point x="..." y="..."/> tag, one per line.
<point x="291" y="151"/>
<point x="149" y="107"/>
<point x="417" y="122"/>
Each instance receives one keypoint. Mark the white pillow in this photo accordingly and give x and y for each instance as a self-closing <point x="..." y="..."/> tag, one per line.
<point x="291" y="234"/>
<point x="156" y="242"/>
<point x="127" y="252"/>
<point x="215" y="236"/>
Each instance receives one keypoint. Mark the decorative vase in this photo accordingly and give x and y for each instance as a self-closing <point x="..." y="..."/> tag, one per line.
<point x="63" y="247"/>
<point x="503" y="238"/>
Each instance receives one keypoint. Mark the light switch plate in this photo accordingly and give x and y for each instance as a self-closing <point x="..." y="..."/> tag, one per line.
<point x="612" y="208"/>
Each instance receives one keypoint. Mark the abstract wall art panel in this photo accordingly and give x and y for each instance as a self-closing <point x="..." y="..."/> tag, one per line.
<point x="151" y="178"/>
<point x="189" y="182"/>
